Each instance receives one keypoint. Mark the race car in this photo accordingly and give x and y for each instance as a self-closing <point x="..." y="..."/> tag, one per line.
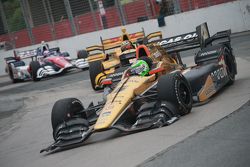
<point x="153" y="92"/>
<point x="43" y="63"/>
<point x="138" y="102"/>
<point x="215" y="63"/>
<point x="114" y="53"/>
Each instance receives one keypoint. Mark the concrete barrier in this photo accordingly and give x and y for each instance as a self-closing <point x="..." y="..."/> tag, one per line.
<point x="233" y="15"/>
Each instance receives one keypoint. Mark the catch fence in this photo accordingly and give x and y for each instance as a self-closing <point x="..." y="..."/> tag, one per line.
<point x="27" y="22"/>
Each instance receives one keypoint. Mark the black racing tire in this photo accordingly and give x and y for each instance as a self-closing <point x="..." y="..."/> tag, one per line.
<point x="174" y="88"/>
<point x="65" y="54"/>
<point x="34" y="66"/>
<point x="95" y="68"/>
<point x="230" y="63"/>
<point x="66" y="109"/>
<point x="82" y="54"/>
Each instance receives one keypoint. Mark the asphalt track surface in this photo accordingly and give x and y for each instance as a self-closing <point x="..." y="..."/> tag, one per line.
<point x="225" y="143"/>
<point x="25" y="126"/>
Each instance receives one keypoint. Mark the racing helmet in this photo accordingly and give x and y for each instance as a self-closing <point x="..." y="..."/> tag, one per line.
<point x="46" y="53"/>
<point x="44" y="46"/>
<point x="140" y="67"/>
<point x="126" y="45"/>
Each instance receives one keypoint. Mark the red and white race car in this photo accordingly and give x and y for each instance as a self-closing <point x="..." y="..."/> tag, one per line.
<point x="44" y="63"/>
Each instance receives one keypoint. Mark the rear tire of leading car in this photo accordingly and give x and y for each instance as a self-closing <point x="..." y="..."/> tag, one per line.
<point x="230" y="63"/>
<point x="95" y="68"/>
<point x="34" y="66"/>
<point x="66" y="109"/>
<point x="174" y="88"/>
<point x="82" y="54"/>
<point x="65" y="54"/>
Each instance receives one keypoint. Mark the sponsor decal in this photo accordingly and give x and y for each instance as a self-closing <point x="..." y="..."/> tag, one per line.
<point x="118" y="101"/>
<point x="133" y="81"/>
<point x="157" y="54"/>
<point x="107" y="113"/>
<point x="208" y="53"/>
<point x="131" y="61"/>
<point x="178" y="39"/>
<point x="218" y="74"/>
<point x="109" y="107"/>
<point x="116" y="74"/>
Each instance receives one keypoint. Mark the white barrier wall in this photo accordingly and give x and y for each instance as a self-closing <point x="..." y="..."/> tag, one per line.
<point x="233" y="15"/>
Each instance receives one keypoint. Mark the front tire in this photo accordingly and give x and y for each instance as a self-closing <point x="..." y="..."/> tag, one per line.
<point x="64" y="110"/>
<point x="34" y="66"/>
<point x="95" y="68"/>
<point x="174" y="88"/>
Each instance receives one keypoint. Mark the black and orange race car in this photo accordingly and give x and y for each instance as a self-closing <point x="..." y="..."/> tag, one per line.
<point x="106" y="58"/>
<point x="155" y="99"/>
<point x="215" y="65"/>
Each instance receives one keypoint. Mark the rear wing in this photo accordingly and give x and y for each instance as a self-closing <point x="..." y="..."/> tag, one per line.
<point x="26" y="54"/>
<point x="111" y="43"/>
<point x="199" y="38"/>
<point x="33" y="53"/>
<point x="21" y="55"/>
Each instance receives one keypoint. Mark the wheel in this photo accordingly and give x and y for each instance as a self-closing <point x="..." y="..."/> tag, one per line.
<point x="174" y="88"/>
<point x="95" y="68"/>
<point x="65" y="54"/>
<point x="231" y="66"/>
<point x="64" y="110"/>
<point x="82" y="54"/>
<point x="34" y="66"/>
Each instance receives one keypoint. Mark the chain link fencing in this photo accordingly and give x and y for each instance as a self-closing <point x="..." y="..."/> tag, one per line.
<point x="27" y="22"/>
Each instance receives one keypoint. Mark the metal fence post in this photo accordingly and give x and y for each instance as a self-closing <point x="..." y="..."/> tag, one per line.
<point x="49" y="18"/>
<point x="26" y="17"/>
<point x="177" y="8"/>
<point x="93" y="15"/>
<point x="6" y="26"/>
<point x="189" y="5"/>
<point x="70" y="16"/>
<point x="152" y="9"/>
<point x="147" y="9"/>
<point x="208" y="3"/>
<point x="121" y="12"/>
<point x="3" y="16"/>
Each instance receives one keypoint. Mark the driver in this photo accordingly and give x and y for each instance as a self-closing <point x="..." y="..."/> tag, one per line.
<point x="126" y="45"/>
<point x="140" y="67"/>
<point x="43" y="48"/>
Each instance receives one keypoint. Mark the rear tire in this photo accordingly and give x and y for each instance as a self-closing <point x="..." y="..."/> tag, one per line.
<point x="174" y="88"/>
<point x="230" y="62"/>
<point x="64" y="110"/>
<point x="82" y="54"/>
<point x="95" y="68"/>
<point x="34" y="66"/>
<point x="65" y="54"/>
